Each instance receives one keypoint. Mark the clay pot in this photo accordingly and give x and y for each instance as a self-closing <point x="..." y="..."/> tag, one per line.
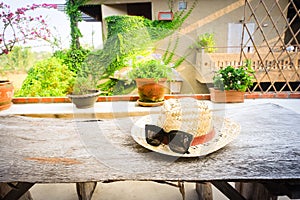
<point x="150" y="90"/>
<point x="85" y="100"/>
<point x="6" y="94"/>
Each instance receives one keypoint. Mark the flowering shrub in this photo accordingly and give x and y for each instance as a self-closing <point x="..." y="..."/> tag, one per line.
<point x="17" y="26"/>
<point x="234" y="78"/>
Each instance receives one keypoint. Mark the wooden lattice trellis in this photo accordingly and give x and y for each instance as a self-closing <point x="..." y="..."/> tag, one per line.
<point x="275" y="40"/>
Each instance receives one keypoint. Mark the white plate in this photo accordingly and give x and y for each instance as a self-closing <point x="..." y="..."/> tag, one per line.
<point x="225" y="131"/>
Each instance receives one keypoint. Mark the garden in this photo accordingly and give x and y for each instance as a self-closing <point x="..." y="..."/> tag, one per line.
<point x="129" y="41"/>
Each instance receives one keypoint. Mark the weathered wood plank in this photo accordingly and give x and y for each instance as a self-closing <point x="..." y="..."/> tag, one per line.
<point x="204" y="191"/>
<point x="55" y="150"/>
<point x="15" y="191"/>
<point x="85" y="190"/>
<point x="254" y="191"/>
<point x="228" y="190"/>
<point x="181" y="189"/>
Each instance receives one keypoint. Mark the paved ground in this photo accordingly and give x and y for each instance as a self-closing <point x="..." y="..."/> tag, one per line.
<point x="118" y="191"/>
<point x="128" y="190"/>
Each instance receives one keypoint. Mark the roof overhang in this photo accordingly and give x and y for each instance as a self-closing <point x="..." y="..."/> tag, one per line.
<point x="94" y="11"/>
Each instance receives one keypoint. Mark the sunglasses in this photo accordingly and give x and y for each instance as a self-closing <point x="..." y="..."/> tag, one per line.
<point x="178" y="141"/>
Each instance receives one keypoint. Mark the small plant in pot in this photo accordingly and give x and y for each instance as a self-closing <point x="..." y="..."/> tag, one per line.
<point x="151" y="79"/>
<point x="84" y="94"/>
<point x="207" y="42"/>
<point x="230" y="83"/>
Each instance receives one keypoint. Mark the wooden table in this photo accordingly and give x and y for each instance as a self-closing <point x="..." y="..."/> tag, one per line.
<point x="86" y="151"/>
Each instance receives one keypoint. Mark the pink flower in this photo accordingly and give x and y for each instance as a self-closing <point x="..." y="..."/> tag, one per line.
<point x="10" y="15"/>
<point x="25" y="27"/>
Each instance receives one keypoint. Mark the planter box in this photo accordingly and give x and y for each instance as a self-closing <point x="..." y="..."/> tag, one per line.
<point x="230" y="96"/>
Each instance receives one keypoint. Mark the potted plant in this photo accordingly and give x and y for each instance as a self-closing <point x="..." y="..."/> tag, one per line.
<point x="207" y="42"/>
<point x="151" y="79"/>
<point x="17" y="26"/>
<point x="84" y="94"/>
<point x="6" y="94"/>
<point x="230" y="83"/>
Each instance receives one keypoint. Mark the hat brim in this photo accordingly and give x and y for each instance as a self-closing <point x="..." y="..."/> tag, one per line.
<point x="225" y="131"/>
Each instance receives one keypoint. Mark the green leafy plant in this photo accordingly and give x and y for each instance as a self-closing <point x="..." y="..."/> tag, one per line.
<point x="83" y="85"/>
<point x="17" y="60"/>
<point x="47" y="78"/>
<point x="152" y="68"/>
<point x="73" y="58"/>
<point x="206" y="41"/>
<point x="128" y="36"/>
<point x="86" y="80"/>
<point x="160" y="29"/>
<point x="74" y="14"/>
<point x="234" y="78"/>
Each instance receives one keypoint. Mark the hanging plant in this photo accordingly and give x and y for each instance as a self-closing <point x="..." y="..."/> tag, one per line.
<point x="179" y="18"/>
<point x="72" y="10"/>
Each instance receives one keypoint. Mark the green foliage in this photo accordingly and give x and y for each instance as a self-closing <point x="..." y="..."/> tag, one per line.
<point x="74" y="14"/>
<point x="165" y="28"/>
<point x="73" y="58"/>
<point x="108" y="86"/>
<point x="47" y="78"/>
<point x="206" y="41"/>
<point x="161" y="29"/>
<point x="125" y="25"/>
<point x="82" y="85"/>
<point x="116" y="87"/>
<point x="127" y="37"/>
<point x="18" y="60"/>
<point x="234" y="78"/>
<point x="150" y="69"/>
<point x="169" y="53"/>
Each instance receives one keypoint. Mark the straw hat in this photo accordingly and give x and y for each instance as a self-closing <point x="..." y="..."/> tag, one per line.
<point x="186" y="114"/>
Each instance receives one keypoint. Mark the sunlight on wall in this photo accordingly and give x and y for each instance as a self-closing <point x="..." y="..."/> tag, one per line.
<point x="212" y="17"/>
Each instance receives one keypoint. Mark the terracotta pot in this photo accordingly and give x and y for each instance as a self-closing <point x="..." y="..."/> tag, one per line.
<point x="150" y="90"/>
<point x="85" y="100"/>
<point x="6" y="94"/>
<point x="226" y="96"/>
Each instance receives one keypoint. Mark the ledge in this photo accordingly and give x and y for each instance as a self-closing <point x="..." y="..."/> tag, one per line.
<point x="121" y="109"/>
<point x="280" y="95"/>
<point x="255" y="95"/>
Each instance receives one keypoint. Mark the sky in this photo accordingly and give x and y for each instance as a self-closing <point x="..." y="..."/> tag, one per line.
<point x="59" y="24"/>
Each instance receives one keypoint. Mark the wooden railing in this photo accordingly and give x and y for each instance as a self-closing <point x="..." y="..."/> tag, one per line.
<point x="286" y="69"/>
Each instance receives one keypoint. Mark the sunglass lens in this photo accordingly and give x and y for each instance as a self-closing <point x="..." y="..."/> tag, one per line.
<point x="180" y="142"/>
<point x="154" y="135"/>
